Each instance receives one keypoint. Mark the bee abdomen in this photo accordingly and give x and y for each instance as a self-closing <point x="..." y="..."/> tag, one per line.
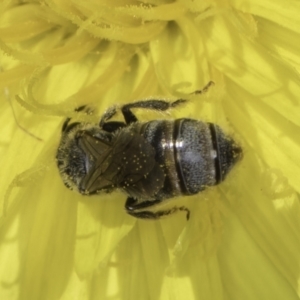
<point x="194" y="155"/>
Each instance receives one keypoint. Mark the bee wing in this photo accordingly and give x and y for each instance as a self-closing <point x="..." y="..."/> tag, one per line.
<point x="140" y="175"/>
<point x="147" y="186"/>
<point x="128" y="163"/>
<point x="98" y="157"/>
<point x="134" y="156"/>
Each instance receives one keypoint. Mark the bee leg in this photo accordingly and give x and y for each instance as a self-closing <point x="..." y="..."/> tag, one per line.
<point x="158" y="214"/>
<point x="113" y="126"/>
<point x="132" y="204"/>
<point x="205" y="89"/>
<point x="159" y="105"/>
<point x="65" y="125"/>
<point x="135" y="209"/>
<point x="107" y="115"/>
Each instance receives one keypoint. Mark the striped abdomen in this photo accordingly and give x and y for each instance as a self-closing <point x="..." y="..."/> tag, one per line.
<point x="186" y="150"/>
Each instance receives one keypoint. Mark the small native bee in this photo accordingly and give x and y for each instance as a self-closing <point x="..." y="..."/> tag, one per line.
<point x="150" y="161"/>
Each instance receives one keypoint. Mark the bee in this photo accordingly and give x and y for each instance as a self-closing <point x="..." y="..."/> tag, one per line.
<point x="150" y="161"/>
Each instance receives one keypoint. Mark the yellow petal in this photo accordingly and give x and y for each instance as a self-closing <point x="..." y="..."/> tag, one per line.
<point x="242" y="237"/>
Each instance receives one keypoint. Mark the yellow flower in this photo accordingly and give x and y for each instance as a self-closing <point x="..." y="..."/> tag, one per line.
<point x="242" y="240"/>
